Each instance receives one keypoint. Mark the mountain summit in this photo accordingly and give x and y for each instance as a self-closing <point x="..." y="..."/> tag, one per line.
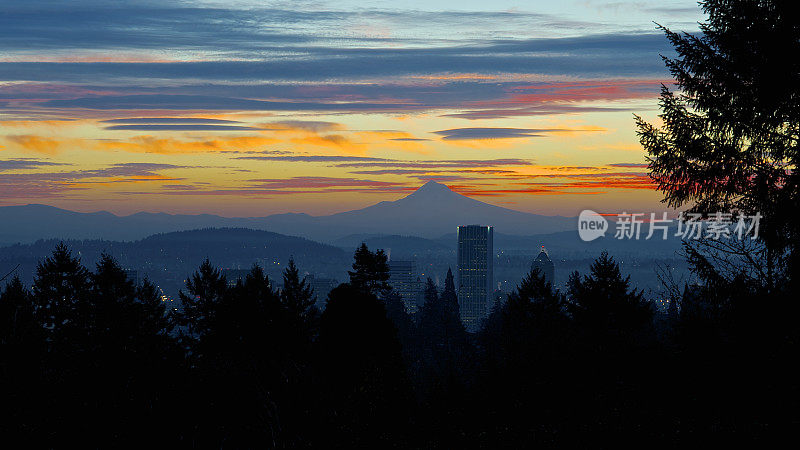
<point x="432" y="188"/>
<point x="434" y="209"/>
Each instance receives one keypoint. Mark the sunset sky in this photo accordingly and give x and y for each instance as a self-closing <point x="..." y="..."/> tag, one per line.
<point x="248" y="108"/>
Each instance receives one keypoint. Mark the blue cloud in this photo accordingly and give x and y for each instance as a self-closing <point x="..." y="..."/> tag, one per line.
<point x="169" y="120"/>
<point x="264" y="59"/>
<point x="590" y="56"/>
<point x="180" y="127"/>
<point x="315" y="158"/>
<point x="459" y="134"/>
<point x="26" y="164"/>
<point x="188" y="102"/>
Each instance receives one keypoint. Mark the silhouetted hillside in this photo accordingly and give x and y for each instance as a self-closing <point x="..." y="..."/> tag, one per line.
<point x="167" y="258"/>
<point x="399" y="246"/>
<point x="430" y="211"/>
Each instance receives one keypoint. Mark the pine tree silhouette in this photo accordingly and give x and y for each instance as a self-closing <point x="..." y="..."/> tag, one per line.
<point x="370" y="271"/>
<point x="604" y="306"/>
<point x="365" y="388"/>
<point x="298" y="299"/>
<point x="21" y="352"/>
<point x="206" y="289"/>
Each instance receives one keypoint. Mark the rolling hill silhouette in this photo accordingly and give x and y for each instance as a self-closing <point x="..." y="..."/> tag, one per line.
<point x="430" y="211"/>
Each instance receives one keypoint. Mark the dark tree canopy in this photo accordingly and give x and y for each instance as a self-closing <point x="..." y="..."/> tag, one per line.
<point x="365" y="386"/>
<point x="17" y="322"/>
<point x="60" y="290"/>
<point x="440" y="324"/>
<point x="532" y="322"/>
<point x="298" y="299"/>
<point x="606" y="310"/>
<point x="206" y="290"/>
<point x="370" y="271"/>
<point x="729" y="138"/>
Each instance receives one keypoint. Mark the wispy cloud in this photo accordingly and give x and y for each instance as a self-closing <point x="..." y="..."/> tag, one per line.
<point x="457" y="134"/>
<point x="53" y="184"/>
<point x="35" y="143"/>
<point x="269" y="187"/>
<point x="314" y="126"/>
<point x="170" y="120"/>
<point x="180" y="127"/>
<point x="438" y="164"/>
<point x="27" y="164"/>
<point x="313" y="158"/>
<point x="630" y="165"/>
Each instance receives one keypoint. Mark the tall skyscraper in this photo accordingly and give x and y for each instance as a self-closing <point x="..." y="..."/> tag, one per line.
<point x="545" y="266"/>
<point x="403" y="279"/>
<point x="475" y="273"/>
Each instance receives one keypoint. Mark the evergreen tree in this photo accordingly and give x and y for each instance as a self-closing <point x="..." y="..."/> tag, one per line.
<point x="132" y="347"/>
<point x="155" y="318"/>
<point x="21" y="349"/>
<point x="248" y="365"/>
<point x="17" y="322"/>
<point x="116" y="309"/>
<point x="440" y="324"/>
<point x="445" y="352"/>
<point x="206" y="289"/>
<point x="455" y="333"/>
<point x="370" y="271"/>
<point x="528" y="357"/>
<point x="605" y="308"/>
<point x="299" y="301"/>
<point x="431" y="321"/>
<point x="728" y="142"/>
<point x="364" y="391"/>
<point x="61" y="291"/>
<point x="531" y="329"/>
<point x="403" y="323"/>
<point x="64" y="310"/>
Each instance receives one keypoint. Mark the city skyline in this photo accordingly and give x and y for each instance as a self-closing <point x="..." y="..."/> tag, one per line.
<point x="243" y="109"/>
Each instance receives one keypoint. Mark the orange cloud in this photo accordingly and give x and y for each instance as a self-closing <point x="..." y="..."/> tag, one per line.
<point x="35" y="123"/>
<point x="303" y="126"/>
<point x="34" y="143"/>
<point x="336" y="141"/>
<point x="151" y="144"/>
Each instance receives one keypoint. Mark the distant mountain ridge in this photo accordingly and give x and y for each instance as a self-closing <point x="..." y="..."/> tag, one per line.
<point x="430" y="211"/>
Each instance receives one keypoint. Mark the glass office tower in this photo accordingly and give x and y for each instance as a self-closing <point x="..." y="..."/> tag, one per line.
<point x="475" y="273"/>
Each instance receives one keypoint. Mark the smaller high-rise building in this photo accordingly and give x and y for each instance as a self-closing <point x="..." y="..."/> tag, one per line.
<point x="403" y="279"/>
<point x="545" y="266"/>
